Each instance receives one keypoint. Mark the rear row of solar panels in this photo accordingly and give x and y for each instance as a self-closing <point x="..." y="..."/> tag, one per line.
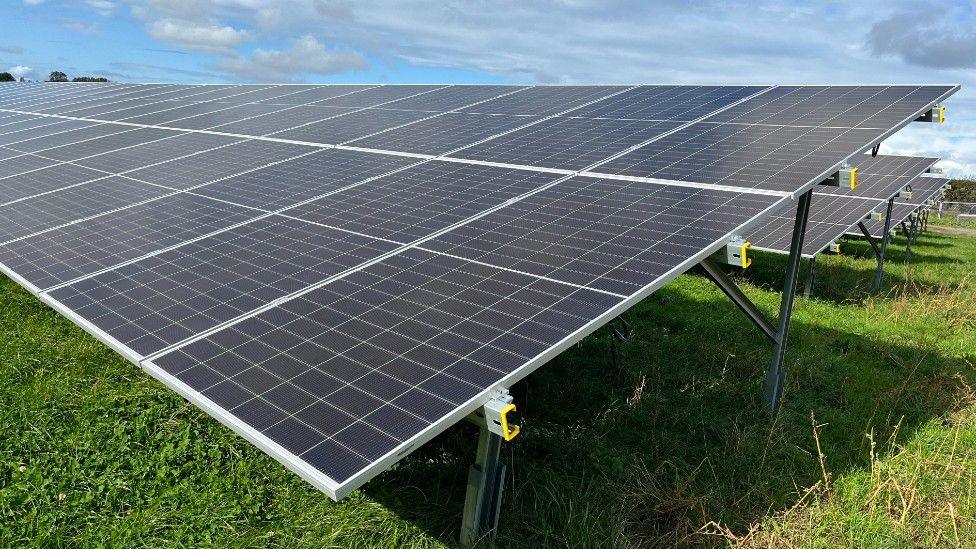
<point x="340" y="304"/>
<point x="835" y="211"/>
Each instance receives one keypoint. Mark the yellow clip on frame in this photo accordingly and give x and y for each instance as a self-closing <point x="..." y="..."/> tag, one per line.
<point x="746" y="260"/>
<point x="941" y="114"/>
<point x="506" y="433"/>
<point x="854" y="178"/>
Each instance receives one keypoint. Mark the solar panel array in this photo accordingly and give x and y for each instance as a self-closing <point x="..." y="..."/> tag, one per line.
<point x="924" y="191"/>
<point x="339" y="273"/>
<point x="835" y="211"/>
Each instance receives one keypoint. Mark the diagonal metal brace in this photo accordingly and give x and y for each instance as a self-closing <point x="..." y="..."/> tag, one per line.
<point x="741" y="300"/>
<point x="871" y="240"/>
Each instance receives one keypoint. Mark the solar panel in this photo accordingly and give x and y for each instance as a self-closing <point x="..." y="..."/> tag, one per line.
<point x="339" y="305"/>
<point x="836" y="210"/>
<point x="830" y="217"/>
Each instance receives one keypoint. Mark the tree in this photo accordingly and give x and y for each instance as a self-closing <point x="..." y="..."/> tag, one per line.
<point x="58" y="76"/>
<point x="89" y="79"/>
<point x="7" y="77"/>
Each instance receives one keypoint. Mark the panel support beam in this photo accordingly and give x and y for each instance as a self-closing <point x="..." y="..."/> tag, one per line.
<point x="775" y="374"/>
<point x="486" y="478"/>
<point x="729" y="287"/>
<point x="811" y="274"/>
<point x="483" y="499"/>
<point x="885" y="238"/>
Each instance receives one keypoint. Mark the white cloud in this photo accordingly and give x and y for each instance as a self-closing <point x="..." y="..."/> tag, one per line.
<point x="207" y="37"/>
<point x="33" y="2"/>
<point x="101" y="7"/>
<point x="307" y="56"/>
<point x="20" y="71"/>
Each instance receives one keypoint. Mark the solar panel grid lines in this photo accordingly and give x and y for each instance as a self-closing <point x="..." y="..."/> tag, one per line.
<point x="66" y="105"/>
<point x="50" y="102"/>
<point x="170" y="296"/>
<point x="36" y="129"/>
<point x="166" y="102"/>
<point x="104" y="177"/>
<point x="830" y="217"/>
<point x="444" y="286"/>
<point x="161" y="117"/>
<point x="63" y="256"/>
<point x="269" y="109"/>
<point x="99" y="109"/>
<point x="570" y="143"/>
<point x="66" y="137"/>
<point x="434" y="115"/>
<point x="46" y="163"/>
<point x="439" y="135"/>
<point x="58" y="208"/>
<point x="195" y="191"/>
<point x="602" y="234"/>
<point x="172" y="332"/>
<point x="420" y="200"/>
<point x="663" y="103"/>
<point x="837" y="149"/>
<point x="354" y="111"/>
<point x="290" y="108"/>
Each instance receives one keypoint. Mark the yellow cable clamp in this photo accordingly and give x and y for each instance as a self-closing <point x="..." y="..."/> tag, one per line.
<point x="507" y="433"/>
<point x="854" y="178"/>
<point x="746" y="260"/>
<point x="940" y="114"/>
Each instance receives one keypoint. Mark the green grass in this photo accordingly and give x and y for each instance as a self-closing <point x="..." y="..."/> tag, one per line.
<point x="674" y="448"/>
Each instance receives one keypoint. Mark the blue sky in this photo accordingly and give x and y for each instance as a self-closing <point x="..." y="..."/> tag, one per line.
<point x="564" y="41"/>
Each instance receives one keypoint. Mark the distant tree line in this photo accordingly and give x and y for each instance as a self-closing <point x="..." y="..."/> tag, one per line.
<point x="58" y="76"/>
<point x="962" y="190"/>
<point x="7" y="77"/>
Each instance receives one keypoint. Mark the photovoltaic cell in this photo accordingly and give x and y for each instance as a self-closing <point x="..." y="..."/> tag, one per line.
<point x="441" y="134"/>
<point x="73" y="251"/>
<point x="294" y="181"/>
<point x="667" y="102"/>
<point x="312" y="94"/>
<point x="617" y="236"/>
<point x="351" y="126"/>
<point x="544" y="100"/>
<point x="44" y="180"/>
<point x="778" y="158"/>
<point x="156" y="152"/>
<point x="225" y="115"/>
<point x="39" y="144"/>
<point x="276" y="122"/>
<point x="453" y="97"/>
<point x="22" y="163"/>
<point x="222" y="162"/>
<point x="830" y="217"/>
<point x="834" y="106"/>
<point x="168" y="297"/>
<point x="347" y="373"/>
<point x="421" y="200"/>
<point x="137" y="136"/>
<point x="567" y="143"/>
<point x="51" y="210"/>
<point x="30" y="130"/>
<point x="376" y="96"/>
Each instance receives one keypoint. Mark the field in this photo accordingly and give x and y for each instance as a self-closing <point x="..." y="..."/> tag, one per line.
<point x="875" y="445"/>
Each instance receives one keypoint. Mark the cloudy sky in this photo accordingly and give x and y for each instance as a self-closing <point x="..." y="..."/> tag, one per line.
<point x="564" y="41"/>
